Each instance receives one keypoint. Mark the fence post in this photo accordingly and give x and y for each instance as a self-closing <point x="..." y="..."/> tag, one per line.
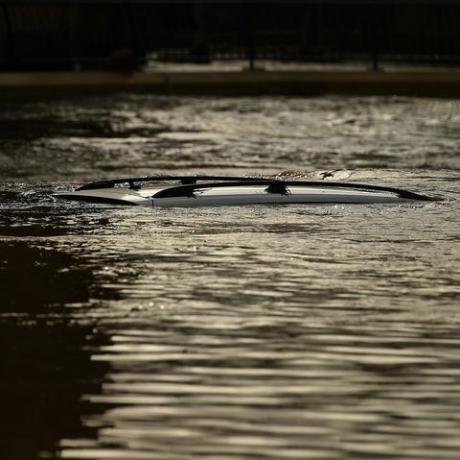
<point x="250" y="38"/>
<point x="10" y="49"/>
<point x="73" y="32"/>
<point x="375" y="34"/>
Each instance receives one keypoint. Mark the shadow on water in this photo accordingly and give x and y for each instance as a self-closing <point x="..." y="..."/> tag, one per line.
<point x="95" y="123"/>
<point x="29" y="129"/>
<point x="243" y="333"/>
<point x="46" y="355"/>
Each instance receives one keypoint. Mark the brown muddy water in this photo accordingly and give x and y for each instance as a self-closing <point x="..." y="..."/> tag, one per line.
<point x="298" y="332"/>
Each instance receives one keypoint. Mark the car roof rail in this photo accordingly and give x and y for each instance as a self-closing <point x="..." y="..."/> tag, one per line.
<point x="134" y="182"/>
<point x="189" y="184"/>
<point x="280" y="186"/>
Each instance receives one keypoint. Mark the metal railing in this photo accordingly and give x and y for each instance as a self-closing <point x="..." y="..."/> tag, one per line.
<point x="119" y="35"/>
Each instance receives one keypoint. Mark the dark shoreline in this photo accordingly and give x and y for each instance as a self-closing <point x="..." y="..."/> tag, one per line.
<point x="233" y="83"/>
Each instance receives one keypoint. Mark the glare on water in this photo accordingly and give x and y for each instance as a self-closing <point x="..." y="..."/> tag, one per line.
<point x="241" y="332"/>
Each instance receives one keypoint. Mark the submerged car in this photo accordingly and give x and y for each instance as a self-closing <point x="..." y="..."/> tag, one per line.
<point x="189" y="191"/>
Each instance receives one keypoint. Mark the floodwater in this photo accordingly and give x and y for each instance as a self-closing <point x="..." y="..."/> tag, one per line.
<point x="264" y="332"/>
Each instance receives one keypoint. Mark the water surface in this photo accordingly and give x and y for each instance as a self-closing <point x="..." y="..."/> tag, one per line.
<point x="325" y="332"/>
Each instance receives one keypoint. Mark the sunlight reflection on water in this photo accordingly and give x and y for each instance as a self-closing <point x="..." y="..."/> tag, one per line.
<point x="258" y="332"/>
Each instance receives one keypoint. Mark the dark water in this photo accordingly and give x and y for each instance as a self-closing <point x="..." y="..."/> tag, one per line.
<point x="324" y="332"/>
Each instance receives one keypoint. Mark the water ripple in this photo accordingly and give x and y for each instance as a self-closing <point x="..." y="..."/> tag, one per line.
<point x="240" y="333"/>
